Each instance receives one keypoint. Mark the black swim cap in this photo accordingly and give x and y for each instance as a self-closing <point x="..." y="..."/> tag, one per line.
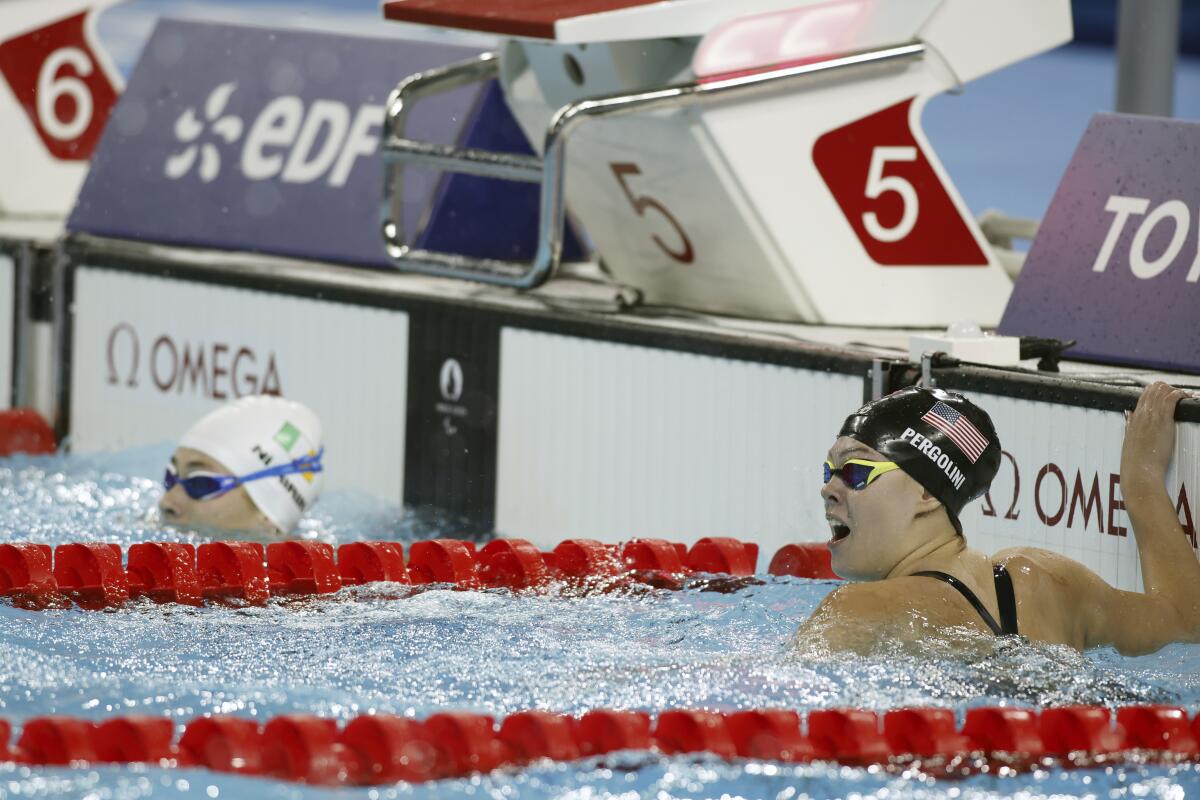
<point x="941" y="439"/>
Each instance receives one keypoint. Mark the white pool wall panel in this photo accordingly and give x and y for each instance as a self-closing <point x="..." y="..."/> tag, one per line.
<point x="613" y="441"/>
<point x="8" y="270"/>
<point x="348" y="363"/>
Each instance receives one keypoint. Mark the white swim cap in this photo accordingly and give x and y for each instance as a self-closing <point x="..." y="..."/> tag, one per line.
<point x="253" y="433"/>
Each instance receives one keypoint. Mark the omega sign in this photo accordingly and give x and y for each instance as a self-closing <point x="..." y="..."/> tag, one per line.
<point x="1076" y="498"/>
<point x="216" y="370"/>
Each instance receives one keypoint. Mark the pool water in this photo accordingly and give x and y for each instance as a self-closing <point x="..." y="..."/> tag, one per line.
<point x="366" y="650"/>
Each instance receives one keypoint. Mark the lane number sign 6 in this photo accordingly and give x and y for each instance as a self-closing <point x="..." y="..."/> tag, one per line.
<point x="684" y="253"/>
<point x="56" y="83"/>
<point x="55" y="75"/>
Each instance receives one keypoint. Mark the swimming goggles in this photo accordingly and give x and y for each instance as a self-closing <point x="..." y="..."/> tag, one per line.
<point x="209" y="485"/>
<point x="858" y="473"/>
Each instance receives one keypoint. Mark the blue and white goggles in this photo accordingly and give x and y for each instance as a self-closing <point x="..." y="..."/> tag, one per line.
<point x="209" y="485"/>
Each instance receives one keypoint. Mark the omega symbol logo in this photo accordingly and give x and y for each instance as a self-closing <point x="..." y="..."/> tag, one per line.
<point x="451" y="380"/>
<point x="116" y="372"/>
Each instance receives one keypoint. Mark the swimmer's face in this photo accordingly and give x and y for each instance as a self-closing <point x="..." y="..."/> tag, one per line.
<point x="232" y="511"/>
<point x="871" y="526"/>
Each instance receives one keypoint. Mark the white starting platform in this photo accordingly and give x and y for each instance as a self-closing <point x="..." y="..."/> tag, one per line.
<point x="768" y="228"/>
<point x="756" y="158"/>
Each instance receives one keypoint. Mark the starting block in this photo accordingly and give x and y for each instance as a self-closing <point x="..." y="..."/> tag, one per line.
<point x="763" y="158"/>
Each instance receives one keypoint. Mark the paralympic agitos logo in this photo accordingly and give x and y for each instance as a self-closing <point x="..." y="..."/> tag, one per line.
<point x="172" y="365"/>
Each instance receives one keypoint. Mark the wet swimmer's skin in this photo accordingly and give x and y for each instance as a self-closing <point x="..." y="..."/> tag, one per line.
<point x="250" y="469"/>
<point x="904" y="521"/>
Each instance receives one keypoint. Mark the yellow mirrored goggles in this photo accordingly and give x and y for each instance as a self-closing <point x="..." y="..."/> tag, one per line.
<point x="858" y="473"/>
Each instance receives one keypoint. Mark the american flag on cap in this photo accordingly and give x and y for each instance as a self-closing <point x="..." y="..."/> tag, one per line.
<point x="958" y="428"/>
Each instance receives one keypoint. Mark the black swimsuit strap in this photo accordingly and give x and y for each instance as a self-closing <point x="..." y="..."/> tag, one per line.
<point x="966" y="592"/>
<point x="1006" y="598"/>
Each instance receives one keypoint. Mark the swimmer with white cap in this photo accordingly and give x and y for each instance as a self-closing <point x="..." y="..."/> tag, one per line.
<point x="251" y="466"/>
<point x="897" y="477"/>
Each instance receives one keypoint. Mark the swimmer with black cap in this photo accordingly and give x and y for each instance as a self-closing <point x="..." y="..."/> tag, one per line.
<point x="253" y="466"/>
<point x="895" y="482"/>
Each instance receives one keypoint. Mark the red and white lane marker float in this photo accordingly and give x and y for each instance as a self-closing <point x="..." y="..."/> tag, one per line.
<point x="382" y="749"/>
<point x="96" y="575"/>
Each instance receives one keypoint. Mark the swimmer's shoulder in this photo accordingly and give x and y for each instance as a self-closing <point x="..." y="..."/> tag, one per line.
<point x="935" y="601"/>
<point x="852" y="617"/>
<point x="857" y="616"/>
<point x="862" y="596"/>
<point x="895" y="599"/>
<point x="1044" y="567"/>
<point x="1058" y="598"/>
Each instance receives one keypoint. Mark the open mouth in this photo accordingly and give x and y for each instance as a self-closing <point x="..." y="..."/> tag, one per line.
<point x="840" y="530"/>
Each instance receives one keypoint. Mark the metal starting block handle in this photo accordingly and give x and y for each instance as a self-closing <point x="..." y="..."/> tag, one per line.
<point x="399" y="151"/>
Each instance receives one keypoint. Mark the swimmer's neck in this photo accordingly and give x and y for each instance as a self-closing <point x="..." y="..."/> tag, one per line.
<point x="938" y="551"/>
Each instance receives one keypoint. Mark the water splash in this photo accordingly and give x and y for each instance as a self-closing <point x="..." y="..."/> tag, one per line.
<point x="386" y="649"/>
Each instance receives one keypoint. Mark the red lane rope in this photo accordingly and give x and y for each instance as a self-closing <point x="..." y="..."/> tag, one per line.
<point x="98" y="575"/>
<point x="380" y="749"/>
<point x="23" y="430"/>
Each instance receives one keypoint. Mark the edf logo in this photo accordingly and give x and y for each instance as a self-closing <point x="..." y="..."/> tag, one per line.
<point x="288" y="139"/>
<point x="275" y="143"/>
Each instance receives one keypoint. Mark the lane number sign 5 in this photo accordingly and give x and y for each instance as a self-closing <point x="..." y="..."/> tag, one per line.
<point x="681" y="249"/>
<point x="891" y="195"/>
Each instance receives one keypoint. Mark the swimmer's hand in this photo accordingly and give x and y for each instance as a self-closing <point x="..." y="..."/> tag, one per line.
<point x="1169" y="611"/>
<point x="1150" y="438"/>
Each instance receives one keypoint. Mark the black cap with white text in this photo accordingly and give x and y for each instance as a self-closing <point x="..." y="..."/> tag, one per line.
<point x="941" y="439"/>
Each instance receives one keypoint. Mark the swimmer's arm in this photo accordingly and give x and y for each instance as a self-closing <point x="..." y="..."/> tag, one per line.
<point x="1170" y="569"/>
<point x="1132" y="622"/>
<point x="1169" y="611"/>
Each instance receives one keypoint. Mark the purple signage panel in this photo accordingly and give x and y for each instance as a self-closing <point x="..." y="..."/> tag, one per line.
<point x="262" y="140"/>
<point x="1116" y="263"/>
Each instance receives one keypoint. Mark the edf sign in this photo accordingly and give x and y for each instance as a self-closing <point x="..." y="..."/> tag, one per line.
<point x="1116" y="264"/>
<point x="261" y="140"/>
